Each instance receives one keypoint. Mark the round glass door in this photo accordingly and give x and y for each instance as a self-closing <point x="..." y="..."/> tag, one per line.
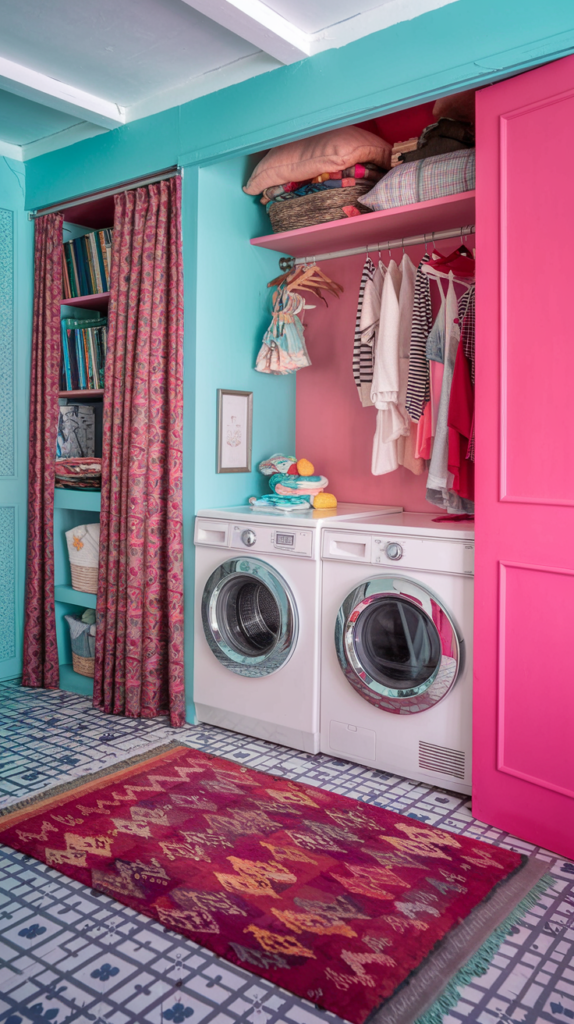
<point x="249" y="617"/>
<point x="397" y="645"/>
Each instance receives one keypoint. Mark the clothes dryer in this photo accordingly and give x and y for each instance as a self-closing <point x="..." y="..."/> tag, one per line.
<point x="257" y="619"/>
<point x="396" y="666"/>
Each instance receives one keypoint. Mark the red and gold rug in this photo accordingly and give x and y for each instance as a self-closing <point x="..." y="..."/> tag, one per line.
<point x="361" y="911"/>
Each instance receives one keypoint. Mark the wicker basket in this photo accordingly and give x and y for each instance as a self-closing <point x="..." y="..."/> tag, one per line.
<point x="85" y="578"/>
<point x="83" y="549"/>
<point x="83" y="666"/>
<point x="318" y="207"/>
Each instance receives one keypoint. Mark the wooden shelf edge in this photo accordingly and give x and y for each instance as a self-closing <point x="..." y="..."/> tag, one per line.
<point x="84" y="300"/>
<point x="95" y="392"/>
<point x="380" y="226"/>
<point x="65" y="594"/>
<point x="81" y="501"/>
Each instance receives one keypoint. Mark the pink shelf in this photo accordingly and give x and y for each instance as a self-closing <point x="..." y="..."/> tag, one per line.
<point x="370" y="228"/>
<point x="92" y="392"/>
<point x="99" y="302"/>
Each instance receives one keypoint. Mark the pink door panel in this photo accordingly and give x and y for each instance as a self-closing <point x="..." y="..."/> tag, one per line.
<point x="524" y="621"/>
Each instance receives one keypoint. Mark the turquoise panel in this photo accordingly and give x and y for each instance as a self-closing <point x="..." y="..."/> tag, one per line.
<point x="16" y="240"/>
<point x="232" y="313"/>
<point x="458" y="46"/>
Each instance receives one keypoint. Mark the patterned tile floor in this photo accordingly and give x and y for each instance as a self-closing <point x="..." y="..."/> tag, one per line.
<point x="69" y="954"/>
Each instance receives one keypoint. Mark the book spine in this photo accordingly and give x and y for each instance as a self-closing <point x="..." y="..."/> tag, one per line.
<point x="93" y="356"/>
<point x="108" y="243"/>
<point x="69" y="252"/>
<point x="100" y="246"/>
<point x="82" y="278"/>
<point x="93" y="244"/>
<point x="80" y="357"/>
<point x="88" y="264"/>
<point x="67" y="294"/>
<point x="66" y="361"/>
<point x="84" y="334"/>
<point x="74" y="375"/>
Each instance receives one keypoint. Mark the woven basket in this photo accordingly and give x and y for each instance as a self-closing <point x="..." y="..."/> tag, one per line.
<point x="85" y="578"/>
<point x="83" y="666"/>
<point x="318" y="207"/>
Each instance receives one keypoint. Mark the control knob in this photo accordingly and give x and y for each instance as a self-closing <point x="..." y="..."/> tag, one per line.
<point x="394" y="551"/>
<point x="248" y="537"/>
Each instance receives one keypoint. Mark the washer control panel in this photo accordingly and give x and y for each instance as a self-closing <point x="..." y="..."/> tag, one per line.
<point x="394" y="551"/>
<point x="262" y="538"/>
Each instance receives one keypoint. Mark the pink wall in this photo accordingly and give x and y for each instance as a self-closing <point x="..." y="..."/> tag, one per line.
<point x="333" y="430"/>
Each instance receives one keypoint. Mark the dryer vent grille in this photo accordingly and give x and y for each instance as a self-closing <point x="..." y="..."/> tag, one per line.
<point x="441" y="759"/>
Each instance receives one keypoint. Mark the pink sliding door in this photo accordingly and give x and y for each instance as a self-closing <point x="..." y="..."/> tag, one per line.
<point x="524" y="627"/>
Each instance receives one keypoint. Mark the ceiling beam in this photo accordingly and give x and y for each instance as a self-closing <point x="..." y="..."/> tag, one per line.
<point x="254" y="21"/>
<point x="33" y="85"/>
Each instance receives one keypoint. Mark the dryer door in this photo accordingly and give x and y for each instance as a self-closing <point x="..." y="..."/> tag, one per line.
<point x="249" y="617"/>
<point x="397" y="645"/>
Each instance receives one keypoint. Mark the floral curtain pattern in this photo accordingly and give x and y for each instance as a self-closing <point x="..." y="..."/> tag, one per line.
<point x="40" y="666"/>
<point x="139" y="668"/>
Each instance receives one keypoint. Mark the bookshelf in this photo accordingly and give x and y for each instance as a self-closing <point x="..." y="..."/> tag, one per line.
<point x="77" y="507"/>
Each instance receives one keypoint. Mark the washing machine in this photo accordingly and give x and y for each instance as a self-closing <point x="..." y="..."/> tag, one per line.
<point x="396" y="663"/>
<point x="257" y="619"/>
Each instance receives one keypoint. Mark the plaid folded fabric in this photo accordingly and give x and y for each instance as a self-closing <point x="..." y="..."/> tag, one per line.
<point x="417" y="182"/>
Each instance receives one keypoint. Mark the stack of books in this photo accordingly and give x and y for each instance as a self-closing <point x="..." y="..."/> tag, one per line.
<point x="84" y="346"/>
<point x="87" y="263"/>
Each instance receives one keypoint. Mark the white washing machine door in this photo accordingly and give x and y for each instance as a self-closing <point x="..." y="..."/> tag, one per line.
<point x="398" y="645"/>
<point x="249" y="617"/>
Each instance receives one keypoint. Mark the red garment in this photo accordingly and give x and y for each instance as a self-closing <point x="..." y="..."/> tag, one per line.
<point x="460" y="420"/>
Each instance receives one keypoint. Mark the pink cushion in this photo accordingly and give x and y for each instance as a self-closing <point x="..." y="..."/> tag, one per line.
<point x="330" y="151"/>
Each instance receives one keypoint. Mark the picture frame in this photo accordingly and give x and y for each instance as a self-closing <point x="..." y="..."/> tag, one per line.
<point x="234" y="431"/>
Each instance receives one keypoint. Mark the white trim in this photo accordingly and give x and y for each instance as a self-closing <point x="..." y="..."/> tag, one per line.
<point x="59" y="140"/>
<point x="360" y="25"/>
<point x="10" y="150"/>
<point x="212" y="81"/>
<point x="256" y="22"/>
<point x="48" y="91"/>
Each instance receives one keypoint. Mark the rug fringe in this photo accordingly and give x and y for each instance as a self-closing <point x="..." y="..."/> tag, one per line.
<point x="480" y="961"/>
<point x="79" y="780"/>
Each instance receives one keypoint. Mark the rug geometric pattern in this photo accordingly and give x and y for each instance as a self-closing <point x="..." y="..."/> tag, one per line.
<point x="71" y="956"/>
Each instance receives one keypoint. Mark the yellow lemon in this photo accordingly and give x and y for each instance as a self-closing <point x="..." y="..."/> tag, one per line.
<point x="305" y="468"/>
<point x="324" y="500"/>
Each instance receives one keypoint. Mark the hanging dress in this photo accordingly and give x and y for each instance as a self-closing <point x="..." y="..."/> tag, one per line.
<point x="283" y="349"/>
<point x="385" y="388"/>
<point x="445" y="342"/>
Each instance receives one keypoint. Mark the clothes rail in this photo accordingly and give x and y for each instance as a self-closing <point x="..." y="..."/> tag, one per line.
<point x="124" y="186"/>
<point x="289" y="262"/>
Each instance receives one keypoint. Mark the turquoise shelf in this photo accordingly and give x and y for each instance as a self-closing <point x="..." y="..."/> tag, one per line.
<point x="81" y="500"/>
<point x="67" y="595"/>
<point x="73" y="682"/>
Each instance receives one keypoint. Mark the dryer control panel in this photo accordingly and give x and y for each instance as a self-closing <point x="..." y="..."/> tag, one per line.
<point x="400" y="551"/>
<point x="257" y="538"/>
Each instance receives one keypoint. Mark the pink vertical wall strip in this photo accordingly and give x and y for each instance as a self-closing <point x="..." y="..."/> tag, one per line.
<point x="139" y="639"/>
<point x="40" y="668"/>
<point x="523" y="778"/>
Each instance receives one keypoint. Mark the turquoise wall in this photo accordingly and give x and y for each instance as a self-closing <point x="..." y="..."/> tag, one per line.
<point x="459" y="46"/>
<point x="16" y="241"/>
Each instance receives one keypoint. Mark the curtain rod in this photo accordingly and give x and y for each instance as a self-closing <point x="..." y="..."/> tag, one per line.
<point x="124" y="186"/>
<point x="289" y="262"/>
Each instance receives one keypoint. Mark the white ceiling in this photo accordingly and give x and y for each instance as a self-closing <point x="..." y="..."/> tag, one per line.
<point x="73" y="68"/>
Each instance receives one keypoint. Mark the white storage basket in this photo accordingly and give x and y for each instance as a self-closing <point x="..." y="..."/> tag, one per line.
<point x="84" y="552"/>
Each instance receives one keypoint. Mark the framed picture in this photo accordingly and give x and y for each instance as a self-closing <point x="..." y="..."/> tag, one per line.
<point x="234" y="428"/>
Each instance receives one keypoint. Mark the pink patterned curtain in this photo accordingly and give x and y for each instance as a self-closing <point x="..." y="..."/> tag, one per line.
<point x="40" y="646"/>
<point x="139" y="639"/>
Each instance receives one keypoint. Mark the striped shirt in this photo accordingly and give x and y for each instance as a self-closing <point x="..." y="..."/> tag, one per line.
<point x="366" y="326"/>
<point x="418" y="385"/>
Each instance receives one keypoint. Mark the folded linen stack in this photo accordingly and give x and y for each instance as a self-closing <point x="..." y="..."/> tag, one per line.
<point x="319" y="179"/>
<point x="80" y="474"/>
